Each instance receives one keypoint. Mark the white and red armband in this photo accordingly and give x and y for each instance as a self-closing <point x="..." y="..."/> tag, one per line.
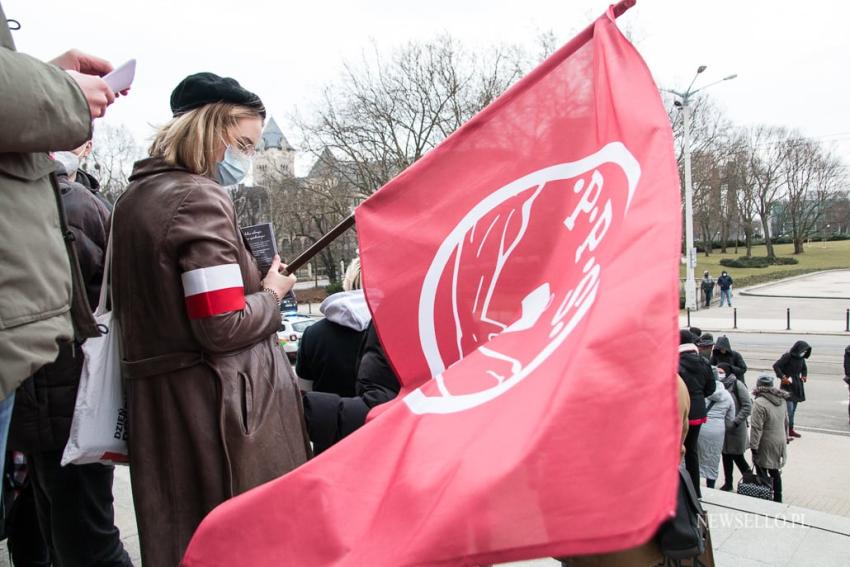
<point x="212" y="291"/>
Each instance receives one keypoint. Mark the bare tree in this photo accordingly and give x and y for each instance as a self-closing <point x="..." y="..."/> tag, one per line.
<point x="302" y="210"/>
<point x="114" y="151"/>
<point x="386" y="113"/>
<point x="709" y="137"/>
<point x="767" y="150"/>
<point x="813" y="178"/>
<point x="742" y="186"/>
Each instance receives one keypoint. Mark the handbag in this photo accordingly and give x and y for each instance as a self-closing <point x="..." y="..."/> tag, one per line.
<point x="99" y="426"/>
<point x="684" y="536"/>
<point x="756" y="486"/>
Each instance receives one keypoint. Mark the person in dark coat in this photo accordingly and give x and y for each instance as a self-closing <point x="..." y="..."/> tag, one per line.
<point x="707" y="285"/>
<point x="331" y="417"/>
<point x="699" y="378"/>
<point x="723" y="353"/>
<point x="329" y="350"/>
<point x="791" y="369"/>
<point x="724" y="282"/>
<point x="847" y="371"/>
<point x="736" y="442"/>
<point x="74" y="502"/>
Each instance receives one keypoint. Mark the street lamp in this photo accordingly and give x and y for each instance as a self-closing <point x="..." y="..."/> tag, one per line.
<point x="683" y="103"/>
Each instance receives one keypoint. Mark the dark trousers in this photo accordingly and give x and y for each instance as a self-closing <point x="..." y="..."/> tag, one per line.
<point x="728" y="462"/>
<point x="792" y="409"/>
<point x="74" y="506"/>
<point x="776" y="476"/>
<point x="692" y="456"/>
<point x="708" y="295"/>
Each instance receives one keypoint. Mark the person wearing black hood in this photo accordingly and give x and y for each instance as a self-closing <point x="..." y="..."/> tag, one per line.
<point x="699" y="378"/>
<point x="791" y="369"/>
<point x="723" y="353"/>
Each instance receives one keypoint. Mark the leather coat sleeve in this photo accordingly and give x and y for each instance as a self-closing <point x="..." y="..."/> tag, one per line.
<point x="203" y="234"/>
<point x="42" y="109"/>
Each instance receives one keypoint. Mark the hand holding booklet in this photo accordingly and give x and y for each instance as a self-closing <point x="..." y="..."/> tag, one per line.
<point x="262" y="244"/>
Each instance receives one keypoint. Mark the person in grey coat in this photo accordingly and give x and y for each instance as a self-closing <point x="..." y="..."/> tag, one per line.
<point x="769" y="433"/>
<point x="736" y="441"/>
<point x="720" y="412"/>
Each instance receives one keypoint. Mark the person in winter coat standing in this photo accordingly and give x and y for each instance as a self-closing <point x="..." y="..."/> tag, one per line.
<point x="699" y="378"/>
<point x="331" y="417"/>
<point x="724" y="282"/>
<point x="768" y="436"/>
<point x="791" y="369"/>
<point x="74" y="502"/>
<point x="723" y="353"/>
<point x="707" y="286"/>
<point x="214" y="408"/>
<point x="720" y="413"/>
<point x="44" y="107"/>
<point x="328" y="353"/>
<point x="735" y="444"/>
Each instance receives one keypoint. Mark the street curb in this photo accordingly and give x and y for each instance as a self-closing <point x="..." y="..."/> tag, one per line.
<point x="749" y="290"/>
<point x="815" y="519"/>
<point x="773" y="332"/>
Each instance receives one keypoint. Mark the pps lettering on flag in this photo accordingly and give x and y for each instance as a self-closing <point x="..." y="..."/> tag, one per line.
<point x="508" y="272"/>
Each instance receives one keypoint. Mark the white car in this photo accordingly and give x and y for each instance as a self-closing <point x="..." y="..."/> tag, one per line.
<point x="290" y="331"/>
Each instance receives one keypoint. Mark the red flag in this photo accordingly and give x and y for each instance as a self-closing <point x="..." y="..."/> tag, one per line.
<point x="523" y="279"/>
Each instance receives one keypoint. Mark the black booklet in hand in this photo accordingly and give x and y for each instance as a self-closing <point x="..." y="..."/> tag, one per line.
<point x="262" y="243"/>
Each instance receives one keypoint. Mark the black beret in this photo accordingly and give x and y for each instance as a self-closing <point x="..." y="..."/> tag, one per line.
<point x="685" y="337"/>
<point x="201" y="89"/>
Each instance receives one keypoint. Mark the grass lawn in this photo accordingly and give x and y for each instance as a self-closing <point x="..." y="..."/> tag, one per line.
<point x="817" y="256"/>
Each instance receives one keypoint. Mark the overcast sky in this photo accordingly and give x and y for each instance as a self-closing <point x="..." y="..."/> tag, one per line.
<point x="791" y="57"/>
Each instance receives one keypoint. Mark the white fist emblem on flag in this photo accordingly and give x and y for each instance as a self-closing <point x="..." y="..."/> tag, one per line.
<point x="516" y="276"/>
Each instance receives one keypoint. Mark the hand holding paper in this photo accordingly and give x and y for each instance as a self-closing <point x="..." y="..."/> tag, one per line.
<point x="121" y="78"/>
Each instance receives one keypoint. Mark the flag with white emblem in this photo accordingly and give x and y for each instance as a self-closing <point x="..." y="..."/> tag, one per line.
<point x="523" y="279"/>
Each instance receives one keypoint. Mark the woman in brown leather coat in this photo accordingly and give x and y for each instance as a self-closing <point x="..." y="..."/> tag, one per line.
<point x="214" y="409"/>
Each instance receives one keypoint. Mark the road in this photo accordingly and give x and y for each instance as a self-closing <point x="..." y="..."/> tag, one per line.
<point x="825" y="409"/>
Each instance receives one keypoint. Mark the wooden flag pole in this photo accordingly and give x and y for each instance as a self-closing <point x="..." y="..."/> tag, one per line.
<point x="320" y="244"/>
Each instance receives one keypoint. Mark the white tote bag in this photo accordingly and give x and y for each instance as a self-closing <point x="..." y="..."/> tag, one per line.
<point x="99" y="427"/>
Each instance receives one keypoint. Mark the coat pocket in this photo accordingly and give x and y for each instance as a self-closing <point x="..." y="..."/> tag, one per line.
<point x="246" y="403"/>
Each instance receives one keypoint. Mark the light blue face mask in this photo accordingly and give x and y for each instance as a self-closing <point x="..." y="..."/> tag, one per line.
<point x="234" y="167"/>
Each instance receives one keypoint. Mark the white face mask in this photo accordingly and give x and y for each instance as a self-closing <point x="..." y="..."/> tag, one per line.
<point x="234" y="167"/>
<point x="721" y="376"/>
<point x="69" y="160"/>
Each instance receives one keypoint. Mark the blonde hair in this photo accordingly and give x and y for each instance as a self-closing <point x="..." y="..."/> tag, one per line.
<point x="193" y="139"/>
<point x="352" y="280"/>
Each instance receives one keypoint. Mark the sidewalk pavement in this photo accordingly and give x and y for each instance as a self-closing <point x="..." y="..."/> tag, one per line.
<point x="817" y="302"/>
<point x="747" y="532"/>
<point x="812" y="527"/>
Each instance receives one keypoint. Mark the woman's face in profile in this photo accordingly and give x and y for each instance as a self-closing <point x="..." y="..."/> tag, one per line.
<point x="246" y="134"/>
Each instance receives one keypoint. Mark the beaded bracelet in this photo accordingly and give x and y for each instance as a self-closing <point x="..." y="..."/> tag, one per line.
<point x="274" y="294"/>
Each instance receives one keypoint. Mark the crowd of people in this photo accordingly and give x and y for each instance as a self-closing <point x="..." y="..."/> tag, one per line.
<point x="727" y="418"/>
<point x="214" y="407"/>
